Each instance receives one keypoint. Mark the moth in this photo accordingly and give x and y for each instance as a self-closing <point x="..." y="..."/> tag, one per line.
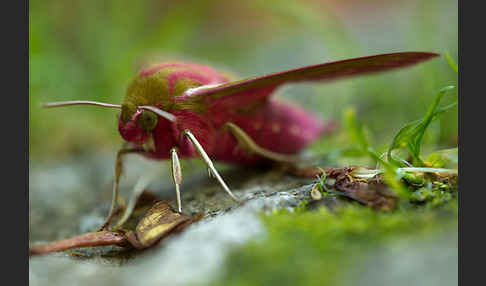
<point x="181" y="110"/>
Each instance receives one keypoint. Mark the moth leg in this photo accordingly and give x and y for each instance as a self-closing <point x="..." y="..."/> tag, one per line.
<point x="209" y="164"/>
<point x="140" y="186"/>
<point x="118" y="172"/>
<point x="176" y="176"/>
<point x="248" y="144"/>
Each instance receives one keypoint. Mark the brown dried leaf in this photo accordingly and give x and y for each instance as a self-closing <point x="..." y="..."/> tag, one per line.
<point x="160" y="221"/>
<point x="147" y="198"/>
<point x="372" y="192"/>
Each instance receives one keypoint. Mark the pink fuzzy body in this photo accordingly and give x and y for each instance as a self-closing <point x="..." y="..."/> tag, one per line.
<point x="278" y="127"/>
<point x="273" y="125"/>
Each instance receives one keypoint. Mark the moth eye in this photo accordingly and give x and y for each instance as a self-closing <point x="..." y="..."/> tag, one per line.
<point x="147" y="120"/>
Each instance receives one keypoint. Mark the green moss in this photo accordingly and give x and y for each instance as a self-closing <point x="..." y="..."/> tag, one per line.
<point x="433" y="195"/>
<point x="317" y="248"/>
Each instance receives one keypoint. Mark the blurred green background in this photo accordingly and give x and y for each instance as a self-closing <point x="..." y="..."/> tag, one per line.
<point x="90" y="49"/>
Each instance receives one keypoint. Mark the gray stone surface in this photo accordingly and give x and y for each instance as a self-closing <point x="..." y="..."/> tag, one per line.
<point x="72" y="197"/>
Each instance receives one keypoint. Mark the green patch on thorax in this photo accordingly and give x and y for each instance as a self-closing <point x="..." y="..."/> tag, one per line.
<point x="154" y="90"/>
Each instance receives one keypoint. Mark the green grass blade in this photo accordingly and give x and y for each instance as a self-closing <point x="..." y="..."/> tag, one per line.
<point x="428" y="119"/>
<point x="451" y="62"/>
<point x="401" y="139"/>
<point x="411" y="134"/>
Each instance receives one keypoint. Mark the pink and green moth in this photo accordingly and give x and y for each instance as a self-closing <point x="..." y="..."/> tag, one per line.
<point x="181" y="109"/>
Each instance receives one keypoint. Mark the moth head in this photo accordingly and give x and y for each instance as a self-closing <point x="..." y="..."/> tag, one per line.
<point x="135" y="123"/>
<point x="130" y="128"/>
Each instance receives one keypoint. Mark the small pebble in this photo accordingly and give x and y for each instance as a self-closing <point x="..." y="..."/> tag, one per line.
<point x="315" y="193"/>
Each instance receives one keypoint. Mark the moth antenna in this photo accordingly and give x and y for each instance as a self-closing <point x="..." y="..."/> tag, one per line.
<point x="80" y="102"/>
<point x="159" y="112"/>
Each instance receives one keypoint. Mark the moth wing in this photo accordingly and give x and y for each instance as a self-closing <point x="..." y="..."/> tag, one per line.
<point x="246" y="91"/>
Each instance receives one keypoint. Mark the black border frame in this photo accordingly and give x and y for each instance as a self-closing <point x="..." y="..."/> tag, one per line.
<point x="15" y="118"/>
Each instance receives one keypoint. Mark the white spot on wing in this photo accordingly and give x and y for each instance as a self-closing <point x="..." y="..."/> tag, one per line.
<point x="191" y="91"/>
